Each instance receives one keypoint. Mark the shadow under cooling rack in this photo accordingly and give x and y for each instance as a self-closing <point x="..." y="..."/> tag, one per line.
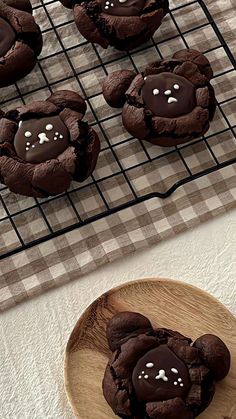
<point x="128" y="171"/>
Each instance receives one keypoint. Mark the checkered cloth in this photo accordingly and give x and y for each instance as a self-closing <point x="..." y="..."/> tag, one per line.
<point x="127" y="169"/>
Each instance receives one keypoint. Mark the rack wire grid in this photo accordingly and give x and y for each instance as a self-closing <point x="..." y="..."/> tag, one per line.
<point x="128" y="171"/>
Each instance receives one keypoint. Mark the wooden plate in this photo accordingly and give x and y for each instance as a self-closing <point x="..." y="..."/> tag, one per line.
<point x="166" y="303"/>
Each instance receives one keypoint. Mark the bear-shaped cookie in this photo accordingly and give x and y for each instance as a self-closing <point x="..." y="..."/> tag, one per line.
<point x="170" y="103"/>
<point x="159" y="373"/>
<point x="45" y="145"/>
<point x="20" y="40"/>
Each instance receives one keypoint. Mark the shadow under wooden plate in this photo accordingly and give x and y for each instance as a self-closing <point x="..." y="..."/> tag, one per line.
<point x="167" y="303"/>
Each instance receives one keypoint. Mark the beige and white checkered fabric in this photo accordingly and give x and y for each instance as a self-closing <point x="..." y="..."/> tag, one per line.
<point x="126" y="167"/>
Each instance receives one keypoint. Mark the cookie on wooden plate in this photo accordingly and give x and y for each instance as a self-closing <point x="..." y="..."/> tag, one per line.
<point x="159" y="373"/>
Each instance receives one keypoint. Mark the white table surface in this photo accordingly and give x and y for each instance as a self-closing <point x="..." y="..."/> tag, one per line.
<point x="34" y="334"/>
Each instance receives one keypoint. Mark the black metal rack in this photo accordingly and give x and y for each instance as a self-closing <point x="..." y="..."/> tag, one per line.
<point x="96" y="184"/>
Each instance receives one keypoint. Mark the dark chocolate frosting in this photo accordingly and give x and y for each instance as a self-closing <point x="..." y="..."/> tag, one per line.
<point x="123" y="7"/>
<point x="7" y="37"/>
<point x="160" y="375"/>
<point x="168" y="95"/>
<point x="41" y="139"/>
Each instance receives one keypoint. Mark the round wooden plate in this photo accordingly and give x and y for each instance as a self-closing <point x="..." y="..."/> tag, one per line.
<point x="167" y="303"/>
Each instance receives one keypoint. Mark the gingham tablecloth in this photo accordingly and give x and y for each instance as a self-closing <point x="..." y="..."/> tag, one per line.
<point x="125" y="165"/>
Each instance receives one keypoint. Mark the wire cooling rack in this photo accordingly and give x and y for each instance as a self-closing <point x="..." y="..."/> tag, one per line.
<point x="128" y="171"/>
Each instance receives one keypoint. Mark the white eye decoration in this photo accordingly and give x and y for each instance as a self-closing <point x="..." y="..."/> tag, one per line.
<point x="122" y="1"/>
<point x="20" y="123"/>
<point x="167" y="92"/>
<point x="28" y="134"/>
<point x="150" y="365"/>
<point x="155" y="92"/>
<point x="176" y="86"/>
<point x="49" y="127"/>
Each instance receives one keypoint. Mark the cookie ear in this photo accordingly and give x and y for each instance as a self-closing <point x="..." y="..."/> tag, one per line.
<point x="115" y="86"/>
<point x="125" y="325"/>
<point x="197" y="58"/>
<point x="67" y="99"/>
<point x="215" y="354"/>
<point x="23" y="5"/>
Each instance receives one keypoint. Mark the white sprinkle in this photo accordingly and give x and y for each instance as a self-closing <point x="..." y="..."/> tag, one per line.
<point x="106" y="7"/>
<point x="27" y="148"/>
<point x="145" y="78"/>
<point x="174" y="370"/>
<point x="27" y="143"/>
<point x="179" y="380"/>
<point x="146" y="377"/>
<point x="176" y="86"/>
<point x="112" y="4"/>
<point x="49" y="127"/>
<point x="60" y="136"/>
<point x="155" y="92"/>
<point x="167" y="92"/>
<point x="33" y="146"/>
<point x="172" y="99"/>
<point x="56" y="133"/>
<point x="181" y="385"/>
<point x="122" y="1"/>
<point x="55" y="138"/>
<point x="175" y="383"/>
<point x="139" y="377"/>
<point x="28" y="134"/>
<point x="107" y="2"/>
<point x="149" y="365"/>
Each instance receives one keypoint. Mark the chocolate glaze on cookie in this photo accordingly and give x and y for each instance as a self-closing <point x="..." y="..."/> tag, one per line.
<point x="168" y="95"/>
<point x="122" y="7"/>
<point x="160" y="375"/>
<point x="41" y="139"/>
<point x="7" y="37"/>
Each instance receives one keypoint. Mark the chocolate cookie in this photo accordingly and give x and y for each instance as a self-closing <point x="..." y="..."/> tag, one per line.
<point x="124" y="24"/>
<point x="170" y="103"/>
<point x="20" y="40"/>
<point x="159" y="373"/>
<point x="46" y="145"/>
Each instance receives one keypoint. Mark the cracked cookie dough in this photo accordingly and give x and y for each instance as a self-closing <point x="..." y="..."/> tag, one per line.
<point x="170" y="103"/>
<point x="123" y="24"/>
<point x="20" y="40"/>
<point x="46" y="145"/>
<point x="159" y="373"/>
